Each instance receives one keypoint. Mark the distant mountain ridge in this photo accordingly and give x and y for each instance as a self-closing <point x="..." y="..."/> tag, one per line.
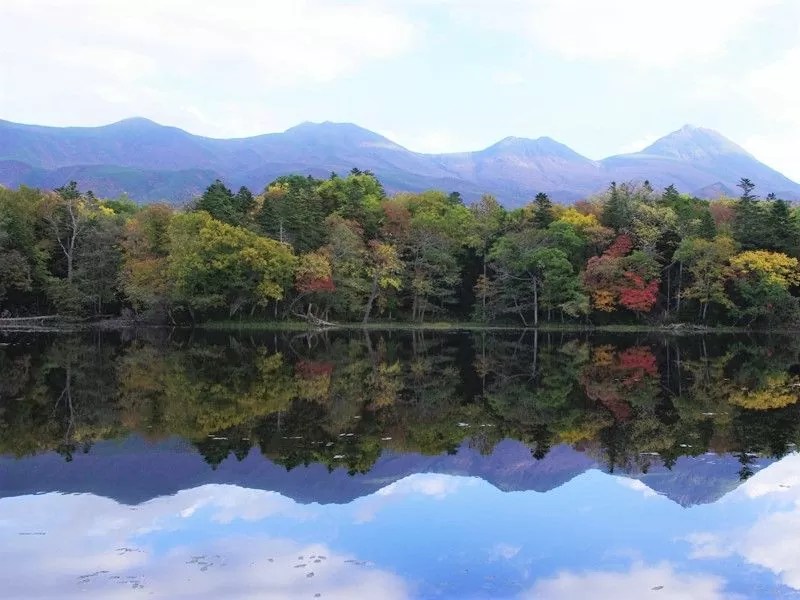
<point x="153" y="162"/>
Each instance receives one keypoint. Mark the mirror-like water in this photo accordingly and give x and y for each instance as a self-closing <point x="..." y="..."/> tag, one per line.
<point x="399" y="464"/>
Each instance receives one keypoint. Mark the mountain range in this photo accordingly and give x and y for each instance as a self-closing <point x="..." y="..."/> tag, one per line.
<point x="133" y="471"/>
<point x="151" y="162"/>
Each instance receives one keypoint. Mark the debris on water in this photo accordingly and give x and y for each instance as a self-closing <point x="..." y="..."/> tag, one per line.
<point x="385" y="439"/>
<point x="686" y="445"/>
<point x="338" y="457"/>
<point x="709" y="414"/>
<point x="217" y="438"/>
<point x="329" y="444"/>
<point x="649" y="454"/>
<point x="32" y="533"/>
<point x="463" y="424"/>
<point x="357" y="417"/>
<point x="311" y="574"/>
<point x="658" y="587"/>
<point x="271" y="559"/>
<point x="300" y="566"/>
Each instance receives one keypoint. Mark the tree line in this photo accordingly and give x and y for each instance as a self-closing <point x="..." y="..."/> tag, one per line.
<point x="342" y="249"/>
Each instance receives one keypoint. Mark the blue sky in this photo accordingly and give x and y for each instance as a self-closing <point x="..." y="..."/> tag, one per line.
<point x="603" y="76"/>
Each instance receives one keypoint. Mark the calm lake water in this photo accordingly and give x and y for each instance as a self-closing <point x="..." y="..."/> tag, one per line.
<point x="399" y="465"/>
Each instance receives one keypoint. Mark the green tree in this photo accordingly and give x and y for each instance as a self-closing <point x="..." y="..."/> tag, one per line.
<point x="213" y="265"/>
<point x="707" y="264"/>
<point x="542" y="211"/>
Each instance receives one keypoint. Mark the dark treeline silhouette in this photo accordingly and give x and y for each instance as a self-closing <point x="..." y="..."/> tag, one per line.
<point x="341" y="249"/>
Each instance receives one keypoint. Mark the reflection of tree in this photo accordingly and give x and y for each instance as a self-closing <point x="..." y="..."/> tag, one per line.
<point x="62" y="399"/>
<point x="341" y="399"/>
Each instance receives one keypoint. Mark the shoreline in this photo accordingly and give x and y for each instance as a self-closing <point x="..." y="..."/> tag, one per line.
<point x="112" y="325"/>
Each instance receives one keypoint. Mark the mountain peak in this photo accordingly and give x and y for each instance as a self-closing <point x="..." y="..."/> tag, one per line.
<point x="693" y="143"/>
<point x="333" y="133"/>
<point x="136" y="122"/>
<point x="527" y="147"/>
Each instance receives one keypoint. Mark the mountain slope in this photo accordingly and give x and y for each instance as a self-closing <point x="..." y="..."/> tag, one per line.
<point x="151" y="162"/>
<point x="695" y="158"/>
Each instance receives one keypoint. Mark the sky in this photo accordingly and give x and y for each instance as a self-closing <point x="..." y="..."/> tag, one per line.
<point x="603" y="77"/>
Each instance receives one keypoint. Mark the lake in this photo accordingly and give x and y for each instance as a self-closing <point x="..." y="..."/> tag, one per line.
<point x="399" y="464"/>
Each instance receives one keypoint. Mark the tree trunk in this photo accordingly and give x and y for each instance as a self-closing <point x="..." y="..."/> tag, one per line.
<point x="680" y="281"/>
<point x="373" y="294"/>
<point x="535" y="303"/>
<point x="483" y="291"/>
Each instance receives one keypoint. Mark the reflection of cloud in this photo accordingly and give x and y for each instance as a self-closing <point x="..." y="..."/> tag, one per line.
<point x="504" y="551"/>
<point x="782" y="477"/>
<point x="425" y="484"/>
<point x="637" y="486"/>
<point x="639" y="582"/>
<point x="431" y="485"/>
<point x="771" y="541"/>
<point x="182" y="546"/>
<point x="707" y="545"/>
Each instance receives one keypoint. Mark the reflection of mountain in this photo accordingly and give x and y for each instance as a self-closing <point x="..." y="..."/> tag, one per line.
<point x="133" y="472"/>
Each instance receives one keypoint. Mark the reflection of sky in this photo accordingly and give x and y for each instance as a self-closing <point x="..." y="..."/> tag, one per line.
<point x="427" y="535"/>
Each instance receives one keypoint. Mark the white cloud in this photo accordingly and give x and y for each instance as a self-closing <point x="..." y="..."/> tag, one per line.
<point x="649" y="33"/>
<point x="114" y="58"/>
<point x="640" y="581"/>
<point x="508" y="78"/>
<point x="774" y="91"/>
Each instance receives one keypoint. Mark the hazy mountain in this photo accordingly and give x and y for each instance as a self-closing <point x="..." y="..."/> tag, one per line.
<point x="133" y="471"/>
<point x="151" y="161"/>
<point x="701" y="161"/>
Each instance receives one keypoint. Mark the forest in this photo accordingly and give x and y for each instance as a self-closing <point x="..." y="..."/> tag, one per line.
<point x="341" y="250"/>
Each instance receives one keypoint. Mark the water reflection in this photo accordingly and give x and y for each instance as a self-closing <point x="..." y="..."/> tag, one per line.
<point x="343" y="399"/>
<point x="596" y="532"/>
<point x="417" y="464"/>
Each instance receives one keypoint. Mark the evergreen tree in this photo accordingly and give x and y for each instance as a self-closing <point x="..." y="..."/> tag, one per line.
<point x="782" y="228"/>
<point x="707" y="228"/>
<point x="542" y="211"/>
<point x="750" y="227"/>
<point x="218" y="201"/>
<point x="671" y="196"/>
<point x="617" y="209"/>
